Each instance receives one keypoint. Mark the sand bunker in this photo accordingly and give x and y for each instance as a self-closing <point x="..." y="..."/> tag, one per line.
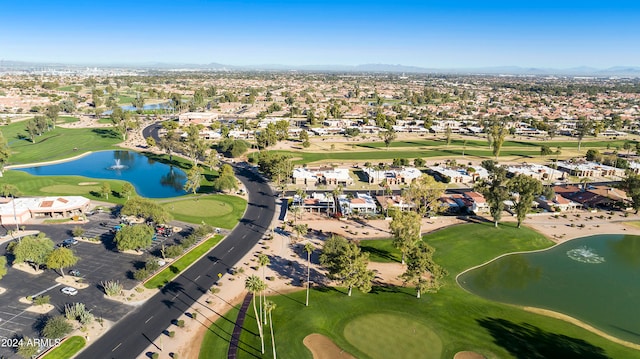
<point x="324" y="348"/>
<point x="468" y="355"/>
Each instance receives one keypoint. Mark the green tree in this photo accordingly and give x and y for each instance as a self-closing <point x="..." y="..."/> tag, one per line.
<point x="56" y="327"/>
<point x="226" y="180"/>
<point x="134" y="237"/>
<point x="584" y="127"/>
<point x="347" y="264"/>
<point x="277" y="167"/>
<point x="631" y="184"/>
<point x="127" y="190"/>
<point x="169" y="143"/>
<point x="52" y="114"/>
<point x="255" y="285"/>
<point x="267" y="137"/>
<point x="212" y="160"/>
<point x="28" y="347"/>
<point x="3" y="266"/>
<point x="269" y="307"/>
<point x="151" y="142"/>
<point x="387" y="137"/>
<point x="61" y="258"/>
<point x="120" y="121"/>
<point x="497" y="132"/>
<point x="146" y="208"/>
<point x="138" y="103"/>
<point x="494" y="189"/>
<point x="545" y="151"/>
<point x="105" y="190"/>
<point x="405" y="228"/>
<point x="4" y="153"/>
<point x="301" y="229"/>
<point x="33" y="250"/>
<point x="9" y="190"/>
<point x="308" y="247"/>
<point x="447" y="135"/>
<point x="194" y="179"/>
<point x="424" y="193"/>
<point x="422" y="270"/>
<point x="527" y="188"/>
<point x="263" y="262"/>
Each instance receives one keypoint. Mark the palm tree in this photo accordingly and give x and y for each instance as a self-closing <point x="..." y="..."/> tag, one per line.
<point x="269" y="306"/>
<point x="263" y="261"/>
<point x="309" y="249"/>
<point x="255" y="285"/>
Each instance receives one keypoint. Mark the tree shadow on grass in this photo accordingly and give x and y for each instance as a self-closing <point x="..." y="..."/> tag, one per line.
<point x="528" y="341"/>
<point x="106" y="133"/>
<point x="378" y="252"/>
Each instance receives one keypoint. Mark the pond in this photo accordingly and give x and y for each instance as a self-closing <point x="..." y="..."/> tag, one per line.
<point x="594" y="279"/>
<point x="150" y="178"/>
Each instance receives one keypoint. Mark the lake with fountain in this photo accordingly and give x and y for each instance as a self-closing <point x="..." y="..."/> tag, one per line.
<point x="594" y="279"/>
<point x="150" y="178"/>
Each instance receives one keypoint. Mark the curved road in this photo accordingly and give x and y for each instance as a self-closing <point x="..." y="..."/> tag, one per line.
<point x="132" y="334"/>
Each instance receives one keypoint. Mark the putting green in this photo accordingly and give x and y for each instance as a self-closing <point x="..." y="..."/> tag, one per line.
<point x="388" y="335"/>
<point x="199" y="208"/>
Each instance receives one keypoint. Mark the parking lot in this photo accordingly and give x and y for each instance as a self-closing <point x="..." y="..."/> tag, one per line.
<point x="98" y="262"/>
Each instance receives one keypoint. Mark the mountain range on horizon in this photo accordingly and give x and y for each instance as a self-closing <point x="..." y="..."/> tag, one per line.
<point x="623" y="71"/>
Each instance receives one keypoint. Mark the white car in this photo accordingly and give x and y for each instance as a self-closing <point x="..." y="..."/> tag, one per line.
<point x="69" y="291"/>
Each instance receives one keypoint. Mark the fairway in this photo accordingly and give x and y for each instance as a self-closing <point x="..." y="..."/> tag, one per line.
<point x="217" y="210"/>
<point x="69" y="189"/>
<point x="459" y="320"/>
<point x="56" y="144"/>
<point x="395" y="336"/>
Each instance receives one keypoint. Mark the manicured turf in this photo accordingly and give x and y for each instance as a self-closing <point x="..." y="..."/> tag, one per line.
<point x="67" y="349"/>
<point x="30" y="185"/>
<point x="421" y="341"/>
<point x="167" y="274"/>
<point x="461" y="320"/>
<point x="56" y="144"/>
<point x="470" y="144"/>
<point x="217" y="210"/>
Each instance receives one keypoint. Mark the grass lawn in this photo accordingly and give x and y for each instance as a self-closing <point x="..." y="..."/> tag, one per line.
<point x="366" y="156"/>
<point x="56" y="144"/>
<point x="30" y="185"/>
<point x="67" y="349"/>
<point x="167" y="274"/>
<point x="453" y="317"/>
<point x="217" y="210"/>
<point x="633" y="223"/>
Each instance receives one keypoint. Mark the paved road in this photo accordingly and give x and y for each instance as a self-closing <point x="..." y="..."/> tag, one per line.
<point x="133" y="334"/>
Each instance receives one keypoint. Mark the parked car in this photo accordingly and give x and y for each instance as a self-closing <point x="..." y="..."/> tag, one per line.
<point x="69" y="242"/>
<point x="69" y="291"/>
<point x="74" y="272"/>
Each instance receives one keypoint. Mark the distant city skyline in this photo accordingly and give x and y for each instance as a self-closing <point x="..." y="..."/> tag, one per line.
<point x="430" y="34"/>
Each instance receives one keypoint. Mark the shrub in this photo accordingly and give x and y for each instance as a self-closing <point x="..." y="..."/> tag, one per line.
<point x="28" y="348"/>
<point x="56" y="327"/>
<point x="155" y="356"/>
<point x="77" y="231"/>
<point x="41" y="300"/>
<point x="173" y="251"/>
<point x="180" y="323"/>
<point x="172" y="334"/>
<point x="152" y="265"/>
<point x="111" y="288"/>
<point x="141" y="274"/>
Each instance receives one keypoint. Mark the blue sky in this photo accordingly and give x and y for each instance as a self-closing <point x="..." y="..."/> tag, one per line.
<point x="440" y="34"/>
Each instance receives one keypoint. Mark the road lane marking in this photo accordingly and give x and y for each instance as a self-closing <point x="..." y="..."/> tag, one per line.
<point x="147" y="321"/>
<point x="117" y="346"/>
<point x="198" y="277"/>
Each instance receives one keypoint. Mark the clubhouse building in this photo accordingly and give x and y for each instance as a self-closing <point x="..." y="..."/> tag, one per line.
<point x="21" y="210"/>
